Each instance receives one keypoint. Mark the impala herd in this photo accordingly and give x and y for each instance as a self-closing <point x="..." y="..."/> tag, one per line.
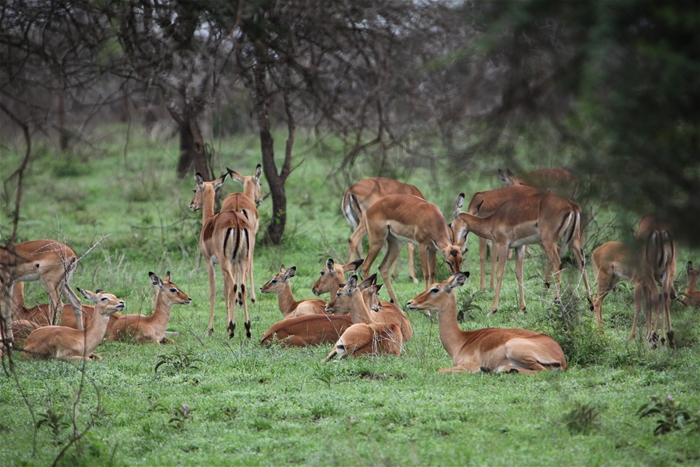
<point x="534" y="208"/>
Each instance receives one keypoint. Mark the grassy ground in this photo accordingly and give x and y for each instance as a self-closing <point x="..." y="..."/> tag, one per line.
<point x="252" y="405"/>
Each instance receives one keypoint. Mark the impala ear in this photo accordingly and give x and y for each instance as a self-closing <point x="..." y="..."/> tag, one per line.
<point x="458" y="279"/>
<point x="235" y="176"/>
<point x="167" y="277"/>
<point x="198" y="179"/>
<point x="88" y="295"/>
<point x="504" y="177"/>
<point x="369" y="282"/>
<point x="220" y="181"/>
<point x="689" y="267"/>
<point x="330" y="264"/>
<point x="258" y="172"/>
<point x="459" y="202"/>
<point x="353" y="265"/>
<point x="155" y="280"/>
<point x="352" y="283"/>
<point x="291" y="272"/>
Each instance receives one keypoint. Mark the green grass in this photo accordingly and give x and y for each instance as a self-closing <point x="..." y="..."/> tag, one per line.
<point x="274" y="406"/>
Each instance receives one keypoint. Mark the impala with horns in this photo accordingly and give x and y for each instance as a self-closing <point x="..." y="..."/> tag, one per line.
<point x="543" y="218"/>
<point x="289" y="307"/>
<point x="333" y="275"/>
<point x="363" y="194"/>
<point x="661" y="253"/>
<point x="613" y="261"/>
<point x="64" y="343"/>
<point x="484" y="204"/>
<point x="490" y="349"/>
<point x="151" y="329"/>
<point x="691" y="297"/>
<point x="365" y="336"/>
<point x="52" y="263"/>
<point x="556" y="180"/>
<point x="396" y="219"/>
<point x="225" y="239"/>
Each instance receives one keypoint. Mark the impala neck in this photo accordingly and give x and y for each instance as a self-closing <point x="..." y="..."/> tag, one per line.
<point x="161" y="312"/>
<point x="285" y="300"/>
<point x="19" y="308"/>
<point x="208" y="203"/>
<point x="481" y="226"/>
<point x="359" y="312"/>
<point x="249" y="190"/>
<point x="95" y="331"/>
<point x="451" y="335"/>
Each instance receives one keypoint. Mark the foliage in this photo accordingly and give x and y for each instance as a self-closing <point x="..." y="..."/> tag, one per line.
<point x="672" y="415"/>
<point x="466" y="304"/>
<point x="55" y="422"/>
<point x="181" y="416"/>
<point x="582" y="419"/>
<point x="178" y="360"/>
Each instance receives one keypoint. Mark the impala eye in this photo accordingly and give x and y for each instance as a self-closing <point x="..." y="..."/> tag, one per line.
<point x="194" y="191"/>
<point x="323" y="272"/>
<point x="173" y="290"/>
<point x="434" y="290"/>
<point x="104" y="299"/>
<point x="273" y="281"/>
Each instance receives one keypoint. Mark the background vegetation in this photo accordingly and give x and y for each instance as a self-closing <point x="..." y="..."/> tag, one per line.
<point x="210" y="400"/>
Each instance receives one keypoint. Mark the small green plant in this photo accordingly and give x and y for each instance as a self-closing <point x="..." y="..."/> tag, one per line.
<point x="55" y="422"/>
<point x="582" y="419"/>
<point x="181" y="416"/>
<point x="672" y="415"/>
<point x="178" y="360"/>
<point x="465" y="304"/>
<point x="325" y="373"/>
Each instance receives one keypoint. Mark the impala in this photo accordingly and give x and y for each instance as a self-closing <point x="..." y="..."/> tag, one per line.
<point x="613" y="261"/>
<point x="556" y="180"/>
<point x="332" y="276"/>
<point x="289" y="307"/>
<point x="661" y="254"/>
<point x="64" y="343"/>
<point x="400" y="218"/>
<point x="302" y="331"/>
<point x="691" y="295"/>
<point x="491" y="349"/>
<point x="247" y="202"/>
<point x="486" y="203"/>
<point x="363" y="194"/>
<point x="364" y="336"/>
<point x="9" y="262"/>
<point x="225" y="239"/>
<point x="543" y="218"/>
<point x="144" y="329"/>
<point x="53" y="263"/>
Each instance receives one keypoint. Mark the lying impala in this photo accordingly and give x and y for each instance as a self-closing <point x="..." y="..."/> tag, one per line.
<point x="484" y="204"/>
<point x="289" y="307"/>
<point x="145" y="329"/>
<point x="491" y="349"/>
<point x="365" y="336"/>
<point x="661" y="255"/>
<point x="363" y="194"/>
<point x="691" y="296"/>
<point x="226" y="238"/>
<point x="53" y="263"/>
<point x="400" y="218"/>
<point x="613" y="261"/>
<point x="64" y="343"/>
<point x="332" y="276"/>
<point x="556" y="180"/>
<point x="543" y="218"/>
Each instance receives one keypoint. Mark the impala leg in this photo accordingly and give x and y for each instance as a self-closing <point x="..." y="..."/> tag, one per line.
<point x="552" y="251"/>
<point x="212" y="295"/>
<point x="231" y="298"/>
<point x="519" y="256"/>
<point x="55" y="305"/>
<point x="384" y="269"/>
<point x="411" y="267"/>
<point x="250" y="266"/>
<point x="482" y="263"/>
<point x="494" y="264"/>
<point x="355" y="241"/>
<point x="606" y="282"/>
<point x="425" y="263"/>
<point x="240" y="278"/>
<point x="502" y="253"/>
<point x="376" y="242"/>
<point x="667" y="308"/>
<point x="639" y="295"/>
<point x="581" y="263"/>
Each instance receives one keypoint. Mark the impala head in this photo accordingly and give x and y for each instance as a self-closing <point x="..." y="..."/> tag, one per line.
<point x="278" y="283"/>
<point x="452" y="254"/>
<point x="508" y="178"/>
<point x="204" y="188"/>
<point x="333" y="275"/>
<point x="170" y="290"/>
<point x="251" y="184"/>
<point x="371" y="295"/>
<point x="693" y="275"/>
<point x="433" y="299"/>
<point x="106" y="304"/>
<point x="458" y="227"/>
<point x="347" y="295"/>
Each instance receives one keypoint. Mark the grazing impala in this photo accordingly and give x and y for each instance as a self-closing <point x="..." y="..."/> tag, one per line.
<point x="363" y="194"/>
<point x="53" y="263"/>
<point x="40" y="315"/>
<point x="225" y="239"/>
<point x="289" y="307"/>
<point x="543" y="218"/>
<point x="400" y="218"/>
<point x="613" y="261"/>
<point x="64" y="343"/>
<point x="556" y="180"/>
<point x="247" y="202"/>
<point x="143" y="329"/>
<point x="491" y="349"/>
<point x="484" y="204"/>
<point x="661" y="254"/>
<point x="691" y="296"/>
<point x="332" y="276"/>
<point x="365" y="336"/>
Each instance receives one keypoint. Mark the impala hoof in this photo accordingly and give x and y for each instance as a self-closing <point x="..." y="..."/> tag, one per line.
<point x="247" y="329"/>
<point x="492" y="312"/>
<point x="210" y="331"/>
<point x="231" y="329"/>
<point x="546" y="285"/>
<point x="415" y="281"/>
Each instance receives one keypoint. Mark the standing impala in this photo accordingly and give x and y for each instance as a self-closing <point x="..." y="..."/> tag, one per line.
<point x="400" y="218"/>
<point x="225" y="239"/>
<point x="363" y="194"/>
<point x="556" y="180"/>
<point x="64" y="343"/>
<point x="491" y="349"/>
<point x="543" y="218"/>
<point x="49" y="261"/>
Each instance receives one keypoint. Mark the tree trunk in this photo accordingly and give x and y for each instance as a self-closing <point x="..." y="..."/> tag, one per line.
<point x="192" y="153"/>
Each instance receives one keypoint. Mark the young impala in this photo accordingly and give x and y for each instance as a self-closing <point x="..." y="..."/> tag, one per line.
<point x="691" y="297"/>
<point x="490" y="349"/>
<point x="332" y="276"/>
<point x="289" y="307"/>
